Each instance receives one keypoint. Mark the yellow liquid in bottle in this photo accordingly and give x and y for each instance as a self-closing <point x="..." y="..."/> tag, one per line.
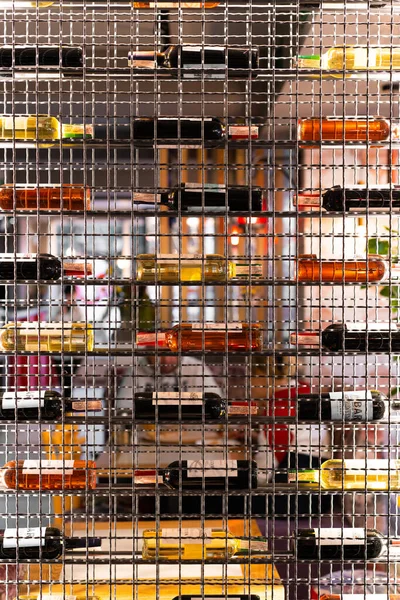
<point x="41" y="127"/>
<point x="370" y="474"/>
<point x="188" y="544"/>
<point x="361" y="57"/>
<point x="48" y="337"/>
<point x="175" y="269"/>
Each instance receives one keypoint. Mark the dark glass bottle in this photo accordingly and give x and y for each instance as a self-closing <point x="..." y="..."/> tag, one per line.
<point x="351" y="407"/>
<point x="36" y="405"/>
<point x="45" y="267"/>
<point x="338" y="199"/>
<point x="42" y="56"/>
<point x="211" y="474"/>
<point x="338" y="544"/>
<point x="209" y="129"/>
<point x="196" y="57"/>
<point x="189" y="197"/>
<point x="174" y="405"/>
<point x="46" y="543"/>
<point x="355" y="337"/>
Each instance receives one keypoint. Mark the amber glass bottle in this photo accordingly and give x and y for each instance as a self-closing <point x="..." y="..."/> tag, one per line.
<point x="48" y="475"/>
<point x="338" y="129"/>
<point x="310" y="269"/>
<point x="215" y="337"/>
<point x="67" y="197"/>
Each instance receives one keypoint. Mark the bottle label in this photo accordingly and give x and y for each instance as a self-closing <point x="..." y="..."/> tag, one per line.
<point x="208" y="187"/>
<point x="18" y="256"/>
<point x="48" y="467"/>
<point x="335" y="536"/>
<point x="143" y="197"/>
<point x="212" y="468"/>
<point x="218" y="326"/>
<point x="371" y="326"/>
<point x="11" y="123"/>
<point x="177" y="398"/>
<point x="188" y="535"/>
<point x="351" y="410"/>
<point x="372" y="466"/>
<point x="364" y="58"/>
<point x="24" y="537"/>
<point x="241" y="132"/>
<point x="32" y="399"/>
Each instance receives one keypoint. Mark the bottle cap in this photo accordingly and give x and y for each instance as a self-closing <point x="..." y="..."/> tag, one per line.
<point x="243" y="132"/>
<point x="77" y="269"/>
<point x="243" y="408"/>
<point x="142" y="60"/>
<point x="77" y="132"/>
<point x="86" y="405"/>
<point x="151" y="340"/>
<point x="312" y="61"/>
<point x="303" y="476"/>
<point x="307" y="338"/>
<point x="306" y="200"/>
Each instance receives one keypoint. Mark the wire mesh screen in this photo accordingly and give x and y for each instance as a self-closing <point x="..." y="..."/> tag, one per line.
<point x="199" y="300"/>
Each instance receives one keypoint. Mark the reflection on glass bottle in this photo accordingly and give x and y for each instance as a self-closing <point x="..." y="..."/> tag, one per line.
<point x="45" y="197"/>
<point x="339" y="129"/>
<point x="198" y="544"/>
<point x="47" y="337"/>
<point x="48" y="475"/>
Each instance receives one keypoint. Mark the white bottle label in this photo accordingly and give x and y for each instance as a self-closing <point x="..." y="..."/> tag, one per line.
<point x="11" y="400"/>
<point x="18" y="256"/>
<point x="48" y="467"/>
<point x="370" y="466"/>
<point x="335" y="536"/>
<point x="364" y="58"/>
<point x="208" y="187"/>
<point x="218" y="326"/>
<point x="12" y="123"/>
<point x="177" y="398"/>
<point x="351" y="406"/>
<point x="24" y="537"/>
<point x="188" y="535"/>
<point x="371" y="326"/>
<point x="212" y="468"/>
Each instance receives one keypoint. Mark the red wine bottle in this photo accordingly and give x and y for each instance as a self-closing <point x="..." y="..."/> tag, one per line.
<point x="22" y="267"/>
<point x="174" y="406"/>
<point x="192" y="197"/>
<point x="211" y="474"/>
<point x="353" y="337"/>
<point x="41" y="56"/>
<point x="338" y="199"/>
<point x="45" y="543"/>
<point x="38" y="405"/>
<point x="348" y="406"/>
<point x="335" y="543"/>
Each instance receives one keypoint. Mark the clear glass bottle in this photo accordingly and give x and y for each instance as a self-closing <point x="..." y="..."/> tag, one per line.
<point x="48" y="475"/>
<point x="352" y="474"/>
<point x="310" y="269"/>
<point x="47" y="337"/>
<point x="198" y="544"/>
<point x="354" y="57"/>
<point x="46" y="197"/>
<point x="338" y="129"/>
<point x="174" y="268"/>
<point x="29" y="127"/>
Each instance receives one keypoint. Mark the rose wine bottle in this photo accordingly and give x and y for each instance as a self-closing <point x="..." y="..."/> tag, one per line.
<point x="45" y="197"/>
<point x="373" y="270"/>
<point x="48" y="475"/>
<point x="336" y="129"/>
<point x="40" y="543"/>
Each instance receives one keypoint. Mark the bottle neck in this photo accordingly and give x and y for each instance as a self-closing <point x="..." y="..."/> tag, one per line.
<point x="311" y="476"/>
<point x="76" y="269"/>
<point x="250" y="547"/>
<point x="242" y="132"/>
<point x="146" y="60"/>
<point x="313" y="61"/>
<point x="304" y="201"/>
<point x="307" y="338"/>
<point x="151" y="340"/>
<point x="72" y="543"/>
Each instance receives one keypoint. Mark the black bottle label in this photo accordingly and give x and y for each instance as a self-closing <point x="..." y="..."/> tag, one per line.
<point x="212" y="468"/>
<point x="336" y="536"/>
<point x="24" y="537"/>
<point x="12" y="400"/>
<point x="351" y="406"/>
<point x="177" y="398"/>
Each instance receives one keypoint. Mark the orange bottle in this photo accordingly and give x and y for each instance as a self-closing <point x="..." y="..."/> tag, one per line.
<point x="214" y="337"/>
<point x="69" y="197"/>
<point x="338" y="129"/>
<point x="311" y="269"/>
<point x="48" y="475"/>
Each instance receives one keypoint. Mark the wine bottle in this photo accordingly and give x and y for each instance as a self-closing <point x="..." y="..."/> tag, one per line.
<point x="197" y="58"/>
<point x="353" y="337"/>
<point x="373" y="270"/>
<point x="191" y="406"/>
<point x="338" y="199"/>
<point x="45" y="197"/>
<point x="58" y="596"/>
<point x="40" y="56"/>
<point x="29" y="127"/>
<point x="360" y="597"/>
<point x="40" y="543"/>
<point x="175" y="268"/>
<point x="19" y="267"/>
<point x="165" y="4"/>
<point x="48" y="475"/>
<point x="348" y="406"/>
<point x="220" y="597"/>
<point x="47" y="337"/>
<point x="354" y="58"/>
<point x="211" y="474"/>
<point x="192" y="130"/>
<point x="339" y="129"/>
<point x="193" y="197"/>
<point x="198" y="544"/>
<point x="212" y="337"/>
<point x="378" y="474"/>
<point x="335" y="543"/>
<point x="36" y="405"/>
